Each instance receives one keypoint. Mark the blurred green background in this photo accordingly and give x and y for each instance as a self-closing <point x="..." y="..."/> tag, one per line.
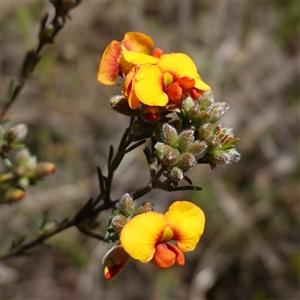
<point x="248" y="52"/>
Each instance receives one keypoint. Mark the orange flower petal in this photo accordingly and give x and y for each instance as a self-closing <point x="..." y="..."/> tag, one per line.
<point x="138" y="42"/>
<point x="187" y="221"/>
<point x="186" y="83"/>
<point x="128" y="88"/>
<point x="174" y="92"/>
<point x="157" y="52"/>
<point x="149" y="86"/>
<point x="109" y="65"/>
<point x="140" y="235"/>
<point x="163" y="257"/>
<point x="180" y="260"/>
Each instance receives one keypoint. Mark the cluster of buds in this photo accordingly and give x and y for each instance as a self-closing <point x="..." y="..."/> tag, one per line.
<point x="178" y="152"/>
<point x="23" y="170"/>
<point x="126" y="210"/>
<point x="203" y="110"/>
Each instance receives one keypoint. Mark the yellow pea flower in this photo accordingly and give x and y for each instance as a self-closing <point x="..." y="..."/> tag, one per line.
<point x="168" y="80"/>
<point x="112" y="64"/>
<point x="145" y="237"/>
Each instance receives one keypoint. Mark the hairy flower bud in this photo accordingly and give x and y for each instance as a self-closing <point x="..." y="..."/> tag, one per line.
<point x="212" y="142"/>
<point x="176" y="174"/>
<point x="197" y="148"/>
<point x="169" y="135"/>
<point x="118" y="222"/>
<point x="226" y="156"/>
<point x="16" y="133"/>
<point x="170" y="157"/>
<point x="205" y="116"/>
<point x="218" y="110"/>
<point x="185" y="139"/>
<point x="205" y="131"/>
<point x="166" y="154"/>
<point x="119" y="103"/>
<point x="144" y="207"/>
<point x="186" y="161"/>
<point x="126" y="205"/>
<point x="187" y="104"/>
<point x="206" y="99"/>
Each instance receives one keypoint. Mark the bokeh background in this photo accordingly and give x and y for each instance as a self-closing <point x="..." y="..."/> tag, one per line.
<point x="248" y="52"/>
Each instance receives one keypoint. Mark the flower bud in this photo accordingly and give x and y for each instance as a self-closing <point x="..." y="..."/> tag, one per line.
<point x="220" y="157"/>
<point x="16" y="133"/>
<point x="144" y="207"/>
<point x="212" y="142"/>
<point x="13" y="195"/>
<point x="194" y="111"/>
<point x="187" y="104"/>
<point x="44" y="169"/>
<point x="160" y="149"/>
<point x="170" y="156"/>
<point x="185" y="139"/>
<point x="186" y="161"/>
<point x="23" y="156"/>
<point x="205" y="131"/>
<point x="205" y="116"/>
<point x="23" y="182"/>
<point x="114" y="261"/>
<point x="176" y="174"/>
<point x="226" y="156"/>
<point x="126" y="205"/>
<point x="6" y="177"/>
<point x="218" y="111"/>
<point x="119" y="103"/>
<point x="118" y="222"/>
<point x="235" y="156"/>
<point x="169" y="135"/>
<point x="206" y="99"/>
<point x="197" y="148"/>
<point x="49" y="227"/>
<point x="149" y="114"/>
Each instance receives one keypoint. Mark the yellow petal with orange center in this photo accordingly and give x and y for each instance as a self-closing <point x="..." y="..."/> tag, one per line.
<point x="141" y="234"/>
<point x="187" y="221"/>
<point x="178" y="64"/>
<point x="109" y="65"/>
<point x="139" y="42"/>
<point x="149" y="86"/>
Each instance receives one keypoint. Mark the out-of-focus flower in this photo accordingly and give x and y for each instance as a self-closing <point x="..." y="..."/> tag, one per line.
<point x="145" y="237"/>
<point x="114" y="261"/>
<point x="112" y="64"/>
<point x="13" y="195"/>
<point x="173" y="77"/>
